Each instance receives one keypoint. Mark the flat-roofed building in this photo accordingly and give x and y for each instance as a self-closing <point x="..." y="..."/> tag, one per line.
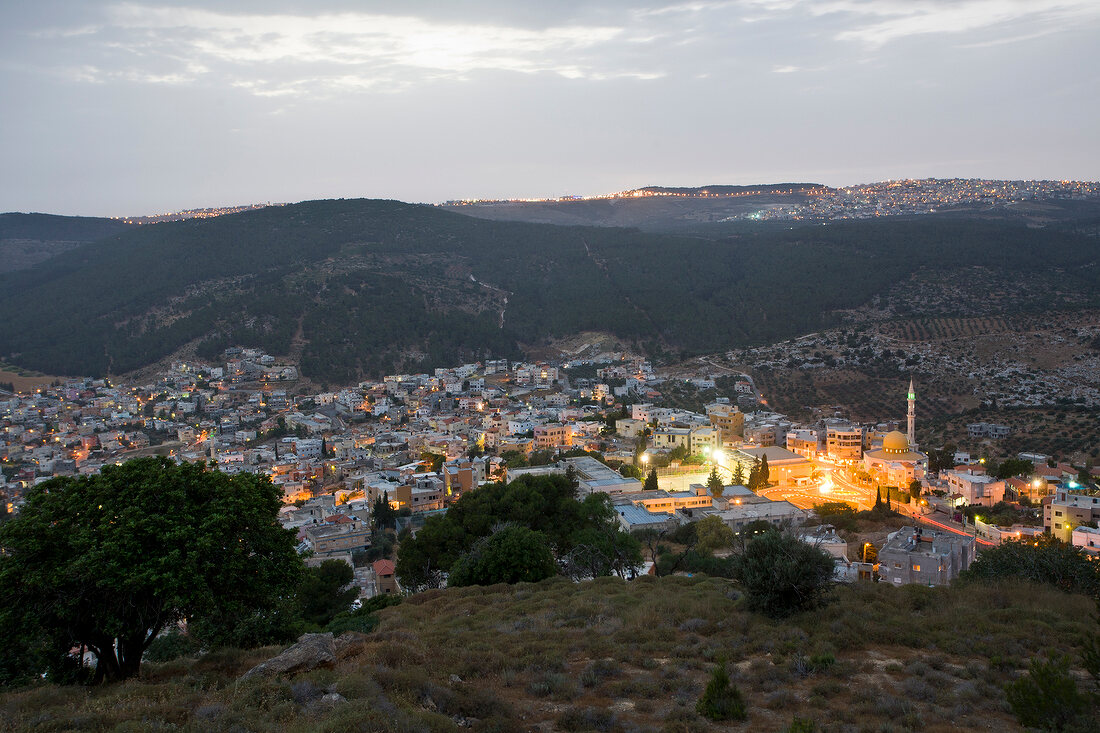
<point x="777" y="513"/>
<point x="1068" y="510"/>
<point x="785" y="468"/>
<point x="844" y="442"/>
<point x="728" y="420"/>
<point x="553" y="435"/>
<point x="804" y="443"/>
<point x="911" y="555"/>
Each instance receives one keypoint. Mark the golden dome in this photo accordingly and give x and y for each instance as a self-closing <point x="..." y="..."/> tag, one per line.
<point x="895" y="442"/>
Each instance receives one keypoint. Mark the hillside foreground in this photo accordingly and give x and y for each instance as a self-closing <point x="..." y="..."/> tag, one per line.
<point x="615" y="655"/>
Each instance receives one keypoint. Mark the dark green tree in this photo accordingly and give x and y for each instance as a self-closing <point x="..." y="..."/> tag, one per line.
<point x="544" y="504"/>
<point x="765" y="472"/>
<point x="1047" y="696"/>
<point x="715" y="484"/>
<point x="512" y="554"/>
<point x="650" y="481"/>
<point x="738" y="474"/>
<point x="108" y="561"/>
<point x="754" y="476"/>
<point x="721" y="700"/>
<point x="382" y="514"/>
<point x="1041" y="559"/>
<point x="325" y="591"/>
<point x="782" y="575"/>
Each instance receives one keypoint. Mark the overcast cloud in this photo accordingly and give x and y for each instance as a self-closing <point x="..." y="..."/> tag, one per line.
<point x="114" y="108"/>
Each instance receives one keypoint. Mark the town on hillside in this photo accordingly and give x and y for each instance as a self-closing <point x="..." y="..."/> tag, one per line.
<point x="412" y="444"/>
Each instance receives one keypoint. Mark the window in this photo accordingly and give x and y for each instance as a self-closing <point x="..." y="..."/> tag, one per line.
<point x="916" y="568"/>
<point x="1057" y="525"/>
<point x="897" y="565"/>
<point x="1057" y="514"/>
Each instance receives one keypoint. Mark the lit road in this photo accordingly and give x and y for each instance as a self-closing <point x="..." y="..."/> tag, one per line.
<point x="836" y="486"/>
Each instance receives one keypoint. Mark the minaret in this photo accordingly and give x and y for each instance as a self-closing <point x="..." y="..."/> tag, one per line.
<point x="912" y="435"/>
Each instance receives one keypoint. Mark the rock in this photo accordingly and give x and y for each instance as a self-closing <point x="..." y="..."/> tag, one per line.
<point x="349" y="643"/>
<point x="311" y="651"/>
<point x="456" y="678"/>
<point x="333" y="698"/>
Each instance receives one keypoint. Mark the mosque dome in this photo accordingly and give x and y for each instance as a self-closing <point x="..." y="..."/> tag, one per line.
<point x="895" y="442"/>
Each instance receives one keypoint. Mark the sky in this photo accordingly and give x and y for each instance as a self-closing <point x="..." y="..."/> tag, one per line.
<point x="130" y="108"/>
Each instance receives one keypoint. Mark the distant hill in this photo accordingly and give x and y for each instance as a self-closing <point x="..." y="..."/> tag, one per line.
<point x="664" y="209"/>
<point x="354" y="287"/>
<point x="26" y="239"/>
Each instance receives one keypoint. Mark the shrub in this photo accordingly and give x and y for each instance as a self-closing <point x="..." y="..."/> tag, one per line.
<point x="721" y="700"/>
<point x="782" y="575"/>
<point x="1042" y="559"/>
<point x="511" y="555"/>
<point x="1047" y="696"/>
<point x="172" y="645"/>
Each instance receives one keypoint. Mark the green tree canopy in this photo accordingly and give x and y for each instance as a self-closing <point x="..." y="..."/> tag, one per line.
<point x="108" y="561"/>
<point x="1040" y="559"/>
<point x="325" y="591"/>
<point x="782" y="575"/>
<point x="544" y="504"/>
<point x="713" y="534"/>
<point x="715" y="484"/>
<point x="512" y="554"/>
<point x="650" y="480"/>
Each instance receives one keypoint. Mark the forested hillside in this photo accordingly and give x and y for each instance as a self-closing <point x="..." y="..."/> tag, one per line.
<point x="367" y="286"/>
<point x="26" y="239"/>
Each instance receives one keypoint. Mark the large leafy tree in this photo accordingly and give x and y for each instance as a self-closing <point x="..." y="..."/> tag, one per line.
<point x="543" y="504"/>
<point x="107" y="561"/>
<point x="1040" y="559"/>
<point x="782" y="575"/>
<point x="512" y="554"/>
<point x="326" y="591"/>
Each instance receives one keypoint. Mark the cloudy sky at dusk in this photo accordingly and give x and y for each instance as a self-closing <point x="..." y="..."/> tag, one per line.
<point x="138" y="107"/>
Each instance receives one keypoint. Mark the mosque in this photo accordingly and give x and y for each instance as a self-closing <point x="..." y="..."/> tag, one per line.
<point x="898" y="462"/>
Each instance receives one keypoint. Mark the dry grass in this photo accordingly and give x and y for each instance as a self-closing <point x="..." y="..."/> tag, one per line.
<point x="611" y="655"/>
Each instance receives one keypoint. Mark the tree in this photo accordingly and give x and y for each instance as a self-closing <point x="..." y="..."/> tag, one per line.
<point x="721" y="700"/>
<point x="108" y="561"/>
<point x="1042" y="559"/>
<point x="738" y="474"/>
<point x="544" y="504"/>
<point x="715" y="483"/>
<point x="782" y="575"/>
<point x="1012" y="467"/>
<point x="765" y="472"/>
<point x="915" y="489"/>
<point x="713" y="534"/>
<point x="650" y="481"/>
<point x="326" y="591"/>
<point x="1047" y="696"/>
<point x="512" y="554"/>
<point x="382" y="514"/>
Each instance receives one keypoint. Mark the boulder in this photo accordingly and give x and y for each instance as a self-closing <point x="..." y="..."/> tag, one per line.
<point x="350" y="643"/>
<point x="311" y="651"/>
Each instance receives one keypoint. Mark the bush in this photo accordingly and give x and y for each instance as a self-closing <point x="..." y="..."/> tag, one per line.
<point x="1042" y="559"/>
<point x="512" y="555"/>
<point x="172" y="645"/>
<point x="721" y="700"/>
<point x="782" y="575"/>
<point x="1046" y="697"/>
